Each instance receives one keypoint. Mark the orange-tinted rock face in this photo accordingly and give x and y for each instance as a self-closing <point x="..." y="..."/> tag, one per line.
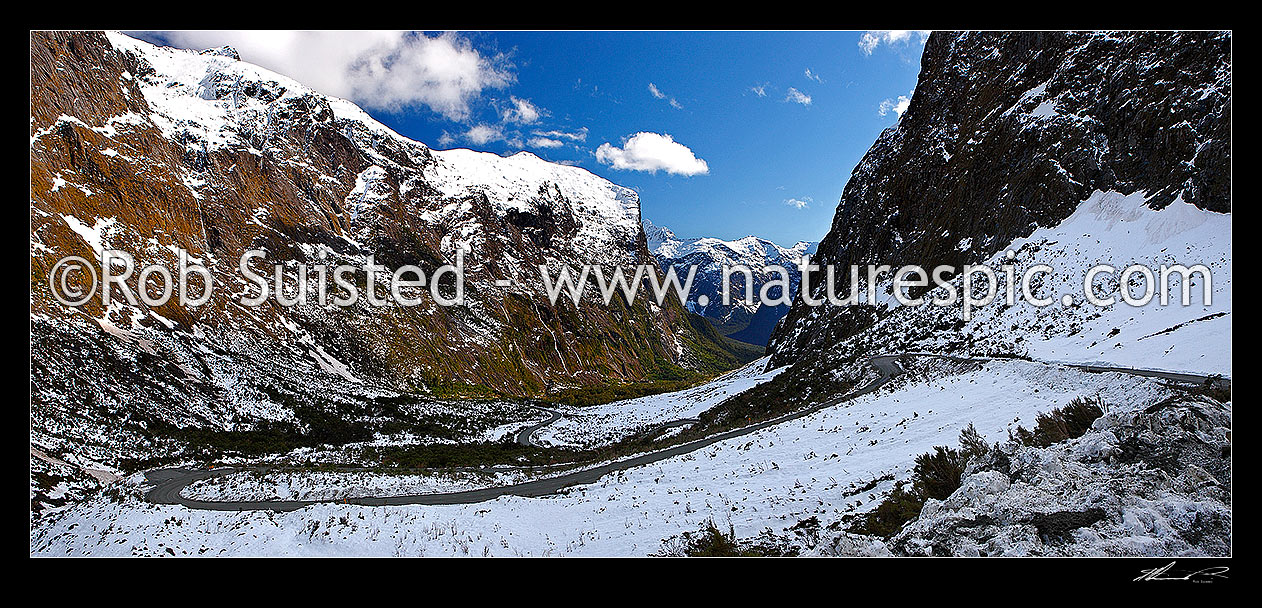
<point x="147" y="150"/>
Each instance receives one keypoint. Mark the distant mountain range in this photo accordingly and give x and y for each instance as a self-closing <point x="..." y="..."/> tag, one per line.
<point x="751" y="323"/>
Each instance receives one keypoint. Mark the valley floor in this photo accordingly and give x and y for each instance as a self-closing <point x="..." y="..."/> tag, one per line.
<point x="772" y="479"/>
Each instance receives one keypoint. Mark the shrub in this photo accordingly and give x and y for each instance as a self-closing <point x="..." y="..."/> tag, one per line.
<point x="937" y="474"/>
<point x="1215" y="389"/>
<point x="1061" y="424"/>
<point x="900" y="507"/>
<point x="972" y="444"/>
<point x="710" y="541"/>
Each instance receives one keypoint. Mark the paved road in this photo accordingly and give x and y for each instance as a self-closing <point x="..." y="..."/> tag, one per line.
<point x="169" y="482"/>
<point x="1187" y="378"/>
<point x="1216" y="380"/>
<point x="526" y="436"/>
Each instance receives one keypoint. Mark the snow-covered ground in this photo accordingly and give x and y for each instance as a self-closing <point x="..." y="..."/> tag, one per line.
<point x="772" y="478"/>
<point x="1119" y="230"/>
<point x="1108" y="228"/>
<point x="605" y="424"/>
<point x="327" y="485"/>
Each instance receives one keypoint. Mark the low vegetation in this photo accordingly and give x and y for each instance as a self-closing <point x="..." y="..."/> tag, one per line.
<point x="607" y="393"/>
<point x="710" y="541"/>
<point x="938" y="474"/>
<point x="1061" y="423"/>
<point x="1215" y="388"/>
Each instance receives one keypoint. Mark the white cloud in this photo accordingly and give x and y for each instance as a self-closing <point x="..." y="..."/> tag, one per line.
<point x="760" y="90"/>
<point x="544" y="142"/>
<point x="813" y="76"/>
<point x="522" y="112"/>
<point x="898" y="105"/>
<point x="797" y="96"/>
<point x="483" y="134"/>
<point x="799" y="203"/>
<point x="656" y="92"/>
<point x="874" y="38"/>
<point x="577" y="135"/>
<point x="652" y="152"/>
<point x="386" y="70"/>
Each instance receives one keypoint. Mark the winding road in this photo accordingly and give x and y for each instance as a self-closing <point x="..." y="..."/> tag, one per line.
<point x="167" y="483"/>
<point x="526" y="436"/>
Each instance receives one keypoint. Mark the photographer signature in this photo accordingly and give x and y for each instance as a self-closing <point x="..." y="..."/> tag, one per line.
<point x="1164" y="573"/>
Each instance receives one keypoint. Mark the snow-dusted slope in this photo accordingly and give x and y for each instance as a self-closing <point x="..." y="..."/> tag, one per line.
<point x="1013" y="134"/>
<point x="1120" y="230"/>
<point x="263" y="162"/>
<point x="609" y="213"/>
<point x="774" y="478"/>
<point x="1108" y="228"/>
<point x="215" y="100"/>
<point x="151" y="150"/>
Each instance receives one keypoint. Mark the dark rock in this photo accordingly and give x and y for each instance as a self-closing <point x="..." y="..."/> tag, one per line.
<point x="1007" y="132"/>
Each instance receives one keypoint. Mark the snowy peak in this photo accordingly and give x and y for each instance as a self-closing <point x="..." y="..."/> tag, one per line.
<point x="710" y="255"/>
<point x="656" y="235"/>
<point x="214" y="100"/>
<point x="752" y="251"/>
<point x="607" y="213"/>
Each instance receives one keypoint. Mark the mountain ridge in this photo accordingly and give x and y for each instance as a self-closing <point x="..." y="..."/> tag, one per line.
<point x="749" y="323"/>
<point x="153" y="150"/>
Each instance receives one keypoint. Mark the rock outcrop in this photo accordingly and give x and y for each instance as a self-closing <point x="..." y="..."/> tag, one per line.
<point x="1152" y="480"/>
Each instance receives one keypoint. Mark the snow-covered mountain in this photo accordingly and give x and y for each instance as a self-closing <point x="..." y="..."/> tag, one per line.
<point x="1068" y="149"/>
<point x="739" y="319"/>
<point x="149" y="149"/>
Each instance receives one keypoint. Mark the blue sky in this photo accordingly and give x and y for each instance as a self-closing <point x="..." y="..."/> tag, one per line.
<point x="750" y="154"/>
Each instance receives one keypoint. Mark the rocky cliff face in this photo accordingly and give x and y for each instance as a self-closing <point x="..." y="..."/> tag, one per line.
<point x="1009" y="132"/>
<point x="149" y="149"/>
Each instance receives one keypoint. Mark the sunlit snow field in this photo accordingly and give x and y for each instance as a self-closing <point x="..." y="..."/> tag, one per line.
<point x="772" y="478"/>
